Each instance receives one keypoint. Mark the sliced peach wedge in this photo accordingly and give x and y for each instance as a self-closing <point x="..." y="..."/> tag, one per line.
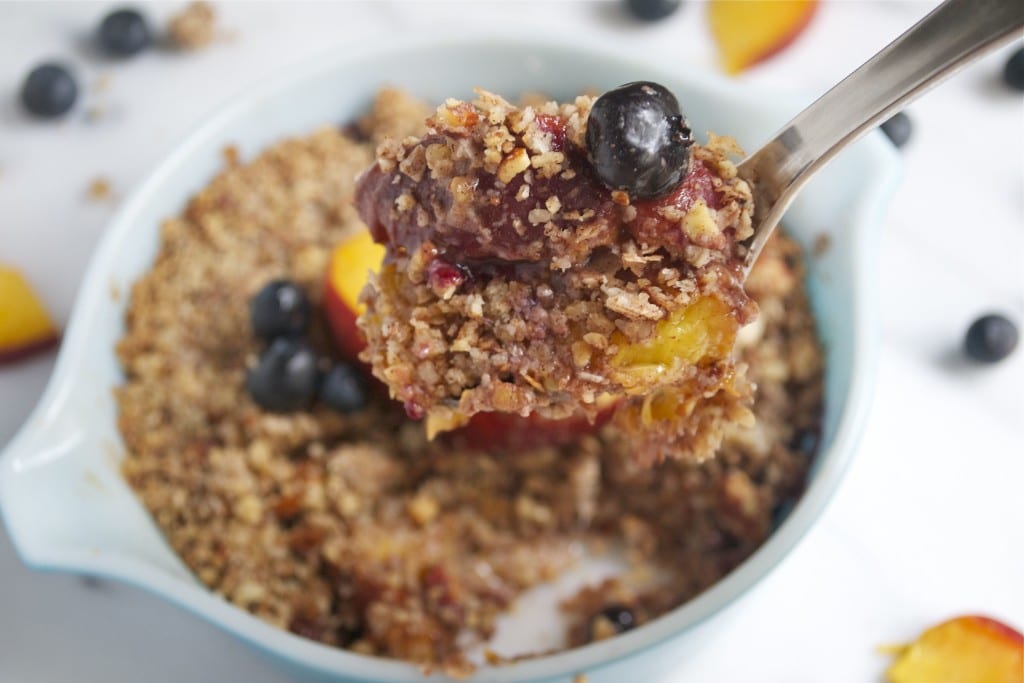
<point x="968" y="649"/>
<point x="352" y="261"/>
<point x="514" y="432"/>
<point x="25" y="327"/>
<point x="704" y="331"/>
<point x="748" y="32"/>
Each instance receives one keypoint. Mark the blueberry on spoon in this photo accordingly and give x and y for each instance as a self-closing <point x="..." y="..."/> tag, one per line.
<point x="638" y="140"/>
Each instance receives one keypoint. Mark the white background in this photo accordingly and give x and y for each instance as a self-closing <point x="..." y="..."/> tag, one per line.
<point x="929" y="522"/>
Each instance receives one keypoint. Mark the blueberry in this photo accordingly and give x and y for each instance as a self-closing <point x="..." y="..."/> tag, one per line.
<point x="285" y="378"/>
<point x="781" y="511"/>
<point x="991" y="338"/>
<point x="344" y="389"/>
<point x="652" y="10"/>
<point x="805" y="441"/>
<point x="612" y="620"/>
<point x="898" y="129"/>
<point x="49" y="91"/>
<point x="638" y="139"/>
<point x="1013" y="72"/>
<point x="124" y="32"/>
<point x="280" y="309"/>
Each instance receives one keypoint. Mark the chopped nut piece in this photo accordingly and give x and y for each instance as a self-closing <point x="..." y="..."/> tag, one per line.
<point x="637" y="306"/>
<point x="513" y="164"/>
<point x="699" y="224"/>
<point x="423" y="509"/>
<point x="405" y="203"/>
<point x="581" y="354"/>
<point x="249" y="509"/>
<point x="461" y="188"/>
<point x="539" y="216"/>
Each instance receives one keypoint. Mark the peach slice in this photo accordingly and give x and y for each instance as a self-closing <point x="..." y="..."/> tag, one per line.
<point x="351" y="263"/>
<point x="703" y="331"/>
<point x="749" y="31"/>
<point x="969" y="649"/>
<point x="25" y="328"/>
<point x="514" y="432"/>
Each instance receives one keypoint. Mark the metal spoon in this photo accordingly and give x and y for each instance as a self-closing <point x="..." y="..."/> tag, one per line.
<point x="956" y="33"/>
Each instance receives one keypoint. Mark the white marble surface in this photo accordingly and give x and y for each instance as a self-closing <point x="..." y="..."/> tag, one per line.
<point x="927" y="524"/>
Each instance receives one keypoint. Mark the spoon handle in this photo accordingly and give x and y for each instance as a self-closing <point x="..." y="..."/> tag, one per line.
<point x="954" y="34"/>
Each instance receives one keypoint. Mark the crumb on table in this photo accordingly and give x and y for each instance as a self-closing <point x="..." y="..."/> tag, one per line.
<point x="102" y="82"/>
<point x="99" y="189"/>
<point x="822" y="243"/>
<point x="194" y="27"/>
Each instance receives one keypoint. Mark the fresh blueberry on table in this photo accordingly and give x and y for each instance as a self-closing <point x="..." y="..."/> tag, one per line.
<point x="1013" y="72"/>
<point x="344" y="389"/>
<point x="49" y="91"/>
<point x="612" y="620"/>
<point x="991" y="338"/>
<point x="638" y="140"/>
<point x="280" y="309"/>
<point x="285" y="378"/>
<point x="652" y="10"/>
<point x="898" y="129"/>
<point x="124" y="32"/>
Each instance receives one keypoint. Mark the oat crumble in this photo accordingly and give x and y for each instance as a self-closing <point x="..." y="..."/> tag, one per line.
<point x="516" y="282"/>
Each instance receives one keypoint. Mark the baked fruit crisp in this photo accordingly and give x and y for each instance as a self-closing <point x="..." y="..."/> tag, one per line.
<point x="549" y="260"/>
<point x="340" y="521"/>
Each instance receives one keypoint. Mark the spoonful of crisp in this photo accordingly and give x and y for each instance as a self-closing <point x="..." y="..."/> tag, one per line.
<point x="588" y="258"/>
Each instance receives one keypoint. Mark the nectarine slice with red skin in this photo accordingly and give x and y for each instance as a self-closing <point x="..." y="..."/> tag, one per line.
<point x="513" y="432"/>
<point x="968" y="649"/>
<point x="748" y="32"/>
<point x="25" y="327"/>
<point x="351" y="263"/>
<point x="342" y="321"/>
